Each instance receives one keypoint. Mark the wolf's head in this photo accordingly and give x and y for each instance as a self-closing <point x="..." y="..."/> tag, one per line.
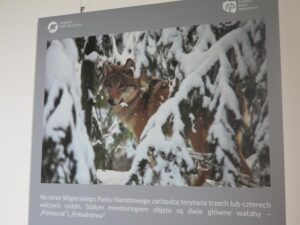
<point x="119" y="83"/>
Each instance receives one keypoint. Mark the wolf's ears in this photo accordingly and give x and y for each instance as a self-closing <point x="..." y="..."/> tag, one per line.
<point x="107" y="68"/>
<point x="144" y="82"/>
<point x="130" y="65"/>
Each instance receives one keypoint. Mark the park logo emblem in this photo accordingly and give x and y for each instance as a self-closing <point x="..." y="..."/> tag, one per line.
<point x="230" y="6"/>
<point x="52" y="27"/>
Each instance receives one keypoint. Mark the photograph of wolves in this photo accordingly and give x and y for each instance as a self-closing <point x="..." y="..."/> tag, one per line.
<point x="176" y="106"/>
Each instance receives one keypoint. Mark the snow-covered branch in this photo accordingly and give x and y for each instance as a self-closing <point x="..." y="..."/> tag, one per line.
<point x="218" y="94"/>
<point x="68" y="156"/>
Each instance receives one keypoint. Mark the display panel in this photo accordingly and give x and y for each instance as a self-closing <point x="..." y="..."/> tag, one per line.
<point x="172" y="115"/>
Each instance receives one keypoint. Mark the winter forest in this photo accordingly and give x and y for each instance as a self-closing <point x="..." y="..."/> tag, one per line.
<point x="181" y="106"/>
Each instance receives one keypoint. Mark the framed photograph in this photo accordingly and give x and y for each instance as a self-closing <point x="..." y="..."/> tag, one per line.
<point x="166" y="113"/>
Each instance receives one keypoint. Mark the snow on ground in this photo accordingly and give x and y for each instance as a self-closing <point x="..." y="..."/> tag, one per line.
<point x="111" y="177"/>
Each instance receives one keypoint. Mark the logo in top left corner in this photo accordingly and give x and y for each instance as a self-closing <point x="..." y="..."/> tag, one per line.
<point x="52" y="27"/>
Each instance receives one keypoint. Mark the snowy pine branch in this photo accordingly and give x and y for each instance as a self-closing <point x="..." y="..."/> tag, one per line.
<point x="68" y="156"/>
<point x="217" y="95"/>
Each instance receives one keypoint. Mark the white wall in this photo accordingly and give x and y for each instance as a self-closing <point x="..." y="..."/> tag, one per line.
<point x="290" y="48"/>
<point x="18" y="24"/>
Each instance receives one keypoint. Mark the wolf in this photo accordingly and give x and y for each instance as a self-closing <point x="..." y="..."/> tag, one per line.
<point x="134" y="101"/>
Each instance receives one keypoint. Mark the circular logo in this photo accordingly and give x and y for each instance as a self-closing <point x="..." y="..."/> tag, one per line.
<point x="230" y="6"/>
<point x="52" y="27"/>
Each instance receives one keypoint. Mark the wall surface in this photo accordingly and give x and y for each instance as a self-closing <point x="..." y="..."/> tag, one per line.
<point x="290" y="48"/>
<point x="18" y="23"/>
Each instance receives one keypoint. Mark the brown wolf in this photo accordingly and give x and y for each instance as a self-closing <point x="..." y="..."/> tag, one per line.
<point x="135" y="100"/>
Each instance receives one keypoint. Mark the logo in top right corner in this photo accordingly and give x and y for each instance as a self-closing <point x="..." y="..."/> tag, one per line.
<point x="230" y="6"/>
